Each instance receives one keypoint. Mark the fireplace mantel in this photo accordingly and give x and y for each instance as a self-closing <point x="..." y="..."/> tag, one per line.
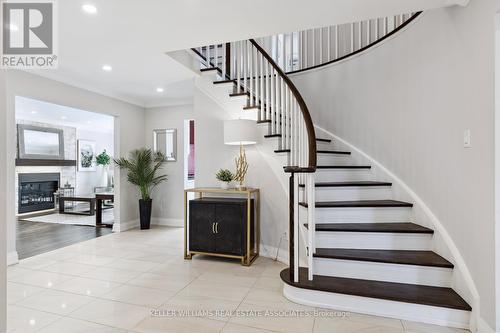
<point x="44" y="162"/>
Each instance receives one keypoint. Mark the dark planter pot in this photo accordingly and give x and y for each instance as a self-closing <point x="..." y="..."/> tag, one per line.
<point x="145" y="213"/>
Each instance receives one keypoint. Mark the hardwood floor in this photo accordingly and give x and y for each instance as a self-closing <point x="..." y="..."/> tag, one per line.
<point x="34" y="238"/>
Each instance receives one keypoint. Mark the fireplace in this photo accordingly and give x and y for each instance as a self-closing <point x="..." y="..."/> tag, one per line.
<point x="36" y="191"/>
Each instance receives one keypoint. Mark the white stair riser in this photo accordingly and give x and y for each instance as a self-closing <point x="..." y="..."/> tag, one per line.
<point x="339" y="175"/>
<point x="365" y="270"/>
<point x="334" y="159"/>
<point x="352" y="193"/>
<point x="373" y="240"/>
<point x="359" y="215"/>
<point x="378" y="307"/>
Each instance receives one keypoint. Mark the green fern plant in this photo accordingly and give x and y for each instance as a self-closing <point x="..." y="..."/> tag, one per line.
<point x="142" y="168"/>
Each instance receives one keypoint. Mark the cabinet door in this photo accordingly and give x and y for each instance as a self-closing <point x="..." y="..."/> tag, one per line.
<point x="201" y="229"/>
<point x="230" y="236"/>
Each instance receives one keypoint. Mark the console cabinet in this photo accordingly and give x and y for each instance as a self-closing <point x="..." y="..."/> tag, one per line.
<point x="222" y="227"/>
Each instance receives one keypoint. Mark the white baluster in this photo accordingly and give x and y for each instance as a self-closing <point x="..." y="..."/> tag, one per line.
<point x="313" y="48"/>
<point x="277" y="100"/>
<point x="262" y="87"/>
<point x="368" y="32"/>
<point x="273" y="102"/>
<point x="329" y="43"/>
<point x="245" y="66"/>
<point x="360" y="35"/>
<point x="300" y="50"/>
<point x="291" y="51"/>
<point x="224" y="61"/>
<point x="216" y="55"/>
<point x="305" y="47"/>
<point x="238" y="67"/>
<point x="250" y="73"/>
<point x="321" y="45"/>
<point x="268" y="90"/>
<point x="337" y="42"/>
<point x="352" y="37"/>
<point x="284" y="53"/>
<point x="282" y="112"/>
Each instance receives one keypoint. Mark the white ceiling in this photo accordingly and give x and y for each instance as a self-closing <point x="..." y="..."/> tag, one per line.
<point x="48" y="113"/>
<point x="132" y="36"/>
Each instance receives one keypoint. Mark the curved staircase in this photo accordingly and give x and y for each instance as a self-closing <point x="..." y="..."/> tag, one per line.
<point x="363" y="251"/>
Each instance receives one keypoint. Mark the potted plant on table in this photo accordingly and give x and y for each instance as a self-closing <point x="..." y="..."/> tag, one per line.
<point x="225" y="177"/>
<point x="142" y="168"/>
<point x="103" y="160"/>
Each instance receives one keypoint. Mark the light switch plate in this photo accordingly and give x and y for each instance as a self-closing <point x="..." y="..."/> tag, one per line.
<point x="467" y="139"/>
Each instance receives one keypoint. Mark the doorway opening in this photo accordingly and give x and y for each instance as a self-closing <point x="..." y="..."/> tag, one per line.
<point x="64" y="176"/>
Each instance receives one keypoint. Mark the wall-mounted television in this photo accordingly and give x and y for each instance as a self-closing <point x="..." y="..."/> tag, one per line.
<point x="36" y="142"/>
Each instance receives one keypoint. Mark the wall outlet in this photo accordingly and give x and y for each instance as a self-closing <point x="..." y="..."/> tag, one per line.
<point x="467" y="139"/>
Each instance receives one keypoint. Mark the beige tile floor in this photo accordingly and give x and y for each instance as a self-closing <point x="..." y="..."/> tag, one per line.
<point x="132" y="282"/>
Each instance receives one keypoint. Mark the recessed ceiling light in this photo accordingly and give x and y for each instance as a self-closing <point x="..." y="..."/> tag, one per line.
<point x="90" y="9"/>
<point x="89" y="122"/>
<point x="34" y="112"/>
<point x="64" y="117"/>
<point x="13" y="27"/>
<point x="107" y="68"/>
<point x="159" y="89"/>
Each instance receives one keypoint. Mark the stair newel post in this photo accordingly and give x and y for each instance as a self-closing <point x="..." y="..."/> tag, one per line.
<point x="311" y="223"/>
<point x="293" y="229"/>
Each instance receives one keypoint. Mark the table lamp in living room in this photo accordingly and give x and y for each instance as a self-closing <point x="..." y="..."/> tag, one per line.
<point x="242" y="132"/>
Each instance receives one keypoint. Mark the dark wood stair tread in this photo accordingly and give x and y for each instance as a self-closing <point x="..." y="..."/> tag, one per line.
<point x="398" y="227"/>
<point x="402" y="257"/>
<point x="250" y="107"/>
<point x="350" y="184"/>
<point x="391" y="291"/>
<point x="208" y="69"/>
<point x="344" y="167"/>
<point x="360" y="203"/>
<point x="334" y="152"/>
<point x="323" y="140"/>
<point x="225" y="81"/>
<point x="239" y="94"/>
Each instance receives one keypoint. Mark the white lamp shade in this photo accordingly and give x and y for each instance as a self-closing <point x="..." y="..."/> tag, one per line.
<point x="240" y="132"/>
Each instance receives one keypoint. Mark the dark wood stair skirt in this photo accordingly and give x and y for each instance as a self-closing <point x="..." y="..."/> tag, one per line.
<point x="350" y="184"/>
<point x="397" y="227"/>
<point x="360" y="204"/>
<point x="401" y="257"/>
<point x="391" y="291"/>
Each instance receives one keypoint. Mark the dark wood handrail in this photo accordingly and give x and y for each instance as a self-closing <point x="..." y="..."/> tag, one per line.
<point x="404" y="24"/>
<point x="311" y="136"/>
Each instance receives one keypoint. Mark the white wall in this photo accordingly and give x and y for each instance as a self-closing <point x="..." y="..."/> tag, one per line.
<point x="168" y="198"/>
<point x="3" y="203"/>
<point x="407" y="102"/>
<point x="129" y="126"/>
<point x="86" y="181"/>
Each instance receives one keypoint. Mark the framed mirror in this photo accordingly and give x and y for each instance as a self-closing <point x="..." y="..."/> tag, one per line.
<point x="165" y="141"/>
<point x="40" y="143"/>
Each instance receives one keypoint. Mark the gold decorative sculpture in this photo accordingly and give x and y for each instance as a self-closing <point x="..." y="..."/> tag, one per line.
<point x="241" y="168"/>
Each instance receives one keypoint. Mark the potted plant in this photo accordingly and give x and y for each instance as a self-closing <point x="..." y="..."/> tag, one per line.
<point x="225" y="177"/>
<point x="142" y="168"/>
<point x="103" y="160"/>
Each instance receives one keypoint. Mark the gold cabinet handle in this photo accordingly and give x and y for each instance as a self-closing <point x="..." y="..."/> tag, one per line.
<point x="213" y="228"/>
<point x="217" y="227"/>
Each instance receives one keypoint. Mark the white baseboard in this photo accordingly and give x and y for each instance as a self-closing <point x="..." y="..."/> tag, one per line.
<point x="125" y="225"/>
<point x="483" y="327"/>
<point x="271" y="251"/>
<point x="12" y="258"/>
<point x="167" y="222"/>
